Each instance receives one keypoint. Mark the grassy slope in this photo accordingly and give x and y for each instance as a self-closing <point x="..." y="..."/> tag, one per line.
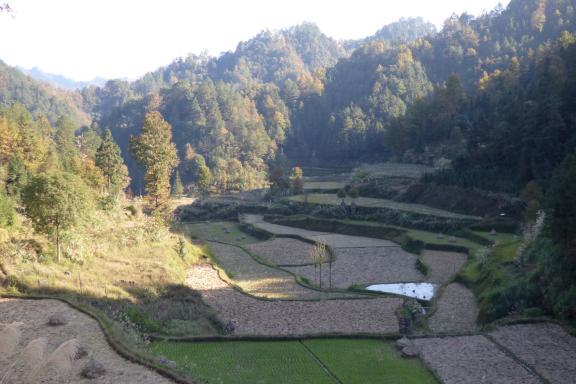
<point x="115" y="260"/>
<point x="489" y="274"/>
<point x="352" y="361"/>
<point x="332" y="199"/>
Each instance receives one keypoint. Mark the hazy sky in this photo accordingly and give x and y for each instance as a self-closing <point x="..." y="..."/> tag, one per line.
<point x="82" y="39"/>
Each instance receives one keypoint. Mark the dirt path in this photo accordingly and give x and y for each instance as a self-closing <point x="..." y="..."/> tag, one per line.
<point x="456" y="311"/>
<point x="35" y="314"/>
<point x="259" y="317"/>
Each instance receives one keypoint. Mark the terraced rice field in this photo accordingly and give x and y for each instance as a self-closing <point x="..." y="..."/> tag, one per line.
<point x="260" y="280"/>
<point x="332" y="199"/>
<point x="277" y="317"/>
<point x="546" y="348"/>
<point x="413" y="171"/>
<point x="442" y="265"/>
<point x="363" y="266"/>
<point x="293" y="362"/>
<point x="223" y="231"/>
<point x="328" y="185"/>
<point x="283" y="251"/>
<point x="472" y="359"/>
<point x="456" y="311"/>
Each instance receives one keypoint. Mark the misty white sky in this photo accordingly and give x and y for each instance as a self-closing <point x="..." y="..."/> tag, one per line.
<point x="82" y="39"/>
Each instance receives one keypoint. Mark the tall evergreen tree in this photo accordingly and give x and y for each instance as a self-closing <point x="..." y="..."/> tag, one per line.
<point x="177" y="187"/>
<point x="154" y="150"/>
<point x="109" y="160"/>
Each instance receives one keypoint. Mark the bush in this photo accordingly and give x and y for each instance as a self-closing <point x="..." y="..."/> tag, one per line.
<point x="143" y="321"/>
<point x="132" y="209"/>
<point x="7" y="213"/>
<point x="564" y="306"/>
<point x="107" y="203"/>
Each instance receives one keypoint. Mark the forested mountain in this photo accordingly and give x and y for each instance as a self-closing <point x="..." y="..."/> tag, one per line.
<point x="59" y="80"/>
<point x="452" y="98"/>
<point x="39" y="98"/>
<point x="404" y="30"/>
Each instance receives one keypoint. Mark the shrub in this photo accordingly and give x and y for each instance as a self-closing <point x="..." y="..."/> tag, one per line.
<point x="143" y="321"/>
<point x="132" y="209"/>
<point x="7" y="215"/>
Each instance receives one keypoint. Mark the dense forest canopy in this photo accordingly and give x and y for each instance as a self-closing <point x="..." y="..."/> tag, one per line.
<point x="456" y="97"/>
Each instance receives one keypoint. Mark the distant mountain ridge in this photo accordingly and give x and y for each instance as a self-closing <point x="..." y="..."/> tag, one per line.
<point x="40" y="97"/>
<point x="61" y="81"/>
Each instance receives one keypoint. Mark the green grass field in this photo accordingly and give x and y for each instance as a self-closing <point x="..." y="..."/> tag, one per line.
<point x="368" y="361"/>
<point x="294" y="362"/>
<point x="499" y="238"/>
<point x="313" y="184"/>
<point x="413" y="171"/>
<point x="223" y="231"/>
<point x="326" y="198"/>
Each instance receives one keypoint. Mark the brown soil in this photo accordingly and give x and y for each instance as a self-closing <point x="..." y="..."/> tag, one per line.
<point x="442" y="265"/>
<point x="283" y="251"/>
<point x="260" y="280"/>
<point x="456" y="311"/>
<point x="547" y="348"/>
<point x="365" y="266"/>
<point x="472" y="359"/>
<point x="35" y="314"/>
<point x="259" y="317"/>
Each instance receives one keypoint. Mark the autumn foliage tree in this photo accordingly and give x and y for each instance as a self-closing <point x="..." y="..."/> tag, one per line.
<point x="55" y="203"/>
<point x="156" y="152"/>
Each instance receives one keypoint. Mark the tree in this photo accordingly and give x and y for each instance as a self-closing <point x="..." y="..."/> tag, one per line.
<point x="66" y="142"/>
<point x="154" y="150"/>
<point x="109" y="160"/>
<point x="562" y="207"/>
<point x="297" y="180"/>
<point x="202" y="173"/>
<point x="318" y="256"/>
<point x="55" y="202"/>
<point x="177" y="187"/>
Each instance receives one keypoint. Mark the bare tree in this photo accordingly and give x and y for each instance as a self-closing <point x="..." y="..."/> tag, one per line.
<point x="318" y="256"/>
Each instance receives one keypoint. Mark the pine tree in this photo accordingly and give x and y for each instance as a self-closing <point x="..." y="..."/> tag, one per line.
<point x="177" y="187"/>
<point x="66" y="142"/>
<point x="203" y="174"/>
<point x="156" y="152"/>
<point x="109" y="160"/>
